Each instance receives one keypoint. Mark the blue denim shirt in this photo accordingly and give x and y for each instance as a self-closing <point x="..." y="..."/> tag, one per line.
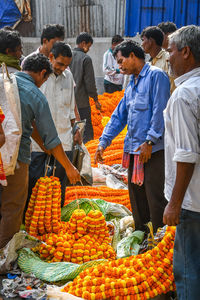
<point x="34" y="106"/>
<point x="141" y="109"/>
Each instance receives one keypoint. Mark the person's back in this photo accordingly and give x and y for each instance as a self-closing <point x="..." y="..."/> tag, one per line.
<point x="83" y="73"/>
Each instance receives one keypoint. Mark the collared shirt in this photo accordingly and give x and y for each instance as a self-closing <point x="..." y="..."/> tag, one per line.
<point x="59" y="92"/>
<point x="83" y="73"/>
<point x="142" y="109"/>
<point x="34" y="106"/>
<point x="182" y="136"/>
<point x="111" y="68"/>
<point x="160" y="61"/>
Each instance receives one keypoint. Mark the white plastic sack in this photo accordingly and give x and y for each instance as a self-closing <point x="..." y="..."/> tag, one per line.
<point x="86" y="170"/>
<point x="10" y="104"/>
<point x="55" y="293"/>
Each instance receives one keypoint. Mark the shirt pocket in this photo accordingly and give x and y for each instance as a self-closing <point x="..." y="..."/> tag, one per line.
<point x="141" y="101"/>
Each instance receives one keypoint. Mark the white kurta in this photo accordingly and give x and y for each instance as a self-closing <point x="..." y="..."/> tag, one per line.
<point x="59" y="91"/>
<point x="182" y="136"/>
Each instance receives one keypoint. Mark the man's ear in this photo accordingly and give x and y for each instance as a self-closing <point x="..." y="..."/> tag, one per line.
<point x="43" y="73"/>
<point x="186" y="52"/>
<point x="131" y="55"/>
<point x="51" y="56"/>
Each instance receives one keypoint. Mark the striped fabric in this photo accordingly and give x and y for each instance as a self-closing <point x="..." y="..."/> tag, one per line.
<point x="138" y="168"/>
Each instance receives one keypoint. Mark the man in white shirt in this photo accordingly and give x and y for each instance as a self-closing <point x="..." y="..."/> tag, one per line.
<point x="182" y="154"/>
<point x="114" y="77"/>
<point x="59" y="91"/>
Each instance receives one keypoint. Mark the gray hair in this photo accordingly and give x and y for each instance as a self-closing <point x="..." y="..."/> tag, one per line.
<point x="187" y="36"/>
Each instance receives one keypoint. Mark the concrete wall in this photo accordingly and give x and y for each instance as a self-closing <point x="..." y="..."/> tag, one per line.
<point x="96" y="52"/>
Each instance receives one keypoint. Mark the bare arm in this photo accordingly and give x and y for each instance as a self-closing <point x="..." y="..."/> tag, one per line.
<point x="183" y="176"/>
<point x="72" y="173"/>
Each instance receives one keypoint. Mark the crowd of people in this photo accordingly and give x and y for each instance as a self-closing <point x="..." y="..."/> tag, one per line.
<point x="161" y="106"/>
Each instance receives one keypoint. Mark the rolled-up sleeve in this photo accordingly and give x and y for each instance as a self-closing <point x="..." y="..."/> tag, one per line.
<point x="185" y="130"/>
<point x="160" y="95"/>
<point x="45" y="125"/>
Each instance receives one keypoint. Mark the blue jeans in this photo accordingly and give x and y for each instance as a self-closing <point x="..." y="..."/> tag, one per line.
<point x="186" y="261"/>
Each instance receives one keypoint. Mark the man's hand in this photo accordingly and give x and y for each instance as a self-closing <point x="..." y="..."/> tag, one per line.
<point x="77" y="137"/>
<point x="171" y="214"/>
<point x="145" y="152"/>
<point x="73" y="174"/>
<point x="98" y="105"/>
<point x="98" y="157"/>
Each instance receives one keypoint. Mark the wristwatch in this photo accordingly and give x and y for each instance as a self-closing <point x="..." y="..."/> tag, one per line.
<point x="149" y="142"/>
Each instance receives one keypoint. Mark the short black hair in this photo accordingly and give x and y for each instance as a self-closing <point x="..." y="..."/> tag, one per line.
<point x="9" y="40"/>
<point x="36" y="63"/>
<point x="61" y="48"/>
<point x="155" y="33"/>
<point x="84" y="37"/>
<point x="52" y="31"/>
<point x="117" y="39"/>
<point x="127" y="47"/>
<point x="167" y="27"/>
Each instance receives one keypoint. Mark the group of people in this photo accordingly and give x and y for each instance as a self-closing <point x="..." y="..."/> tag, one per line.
<point x="162" y="111"/>
<point x="162" y="153"/>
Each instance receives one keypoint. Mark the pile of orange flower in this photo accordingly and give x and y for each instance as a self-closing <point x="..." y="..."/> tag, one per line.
<point x="44" y="210"/>
<point x="143" y="276"/>
<point x="112" y="155"/>
<point x="102" y="192"/>
<point x="86" y="238"/>
<point x="108" y="104"/>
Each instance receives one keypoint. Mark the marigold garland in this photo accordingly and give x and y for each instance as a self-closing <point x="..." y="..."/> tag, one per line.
<point x="112" y="155"/>
<point x="86" y="237"/>
<point x="44" y="210"/>
<point x="108" y="104"/>
<point x="102" y="192"/>
<point x="139" y="277"/>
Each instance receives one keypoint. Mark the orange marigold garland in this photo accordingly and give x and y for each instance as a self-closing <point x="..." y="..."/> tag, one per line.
<point x="86" y="237"/>
<point x="108" y="104"/>
<point x="137" y="277"/>
<point x="102" y="192"/>
<point x="44" y="210"/>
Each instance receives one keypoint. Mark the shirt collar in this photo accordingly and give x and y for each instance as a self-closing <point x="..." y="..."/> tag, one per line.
<point x="79" y="49"/>
<point x="195" y="72"/>
<point x="160" y="54"/>
<point x="25" y="75"/>
<point x="143" y="73"/>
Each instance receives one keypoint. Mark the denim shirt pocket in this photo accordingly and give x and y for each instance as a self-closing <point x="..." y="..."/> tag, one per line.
<point x="141" y="102"/>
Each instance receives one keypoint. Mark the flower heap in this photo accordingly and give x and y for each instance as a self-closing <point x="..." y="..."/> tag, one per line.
<point x="112" y="155"/>
<point x="108" y="105"/>
<point x="44" y="210"/>
<point x="87" y="238"/>
<point x="103" y="192"/>
<point x="143" y="276"/>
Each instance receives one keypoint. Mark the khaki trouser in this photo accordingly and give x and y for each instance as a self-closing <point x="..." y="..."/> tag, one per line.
<point x="13" y="199"/>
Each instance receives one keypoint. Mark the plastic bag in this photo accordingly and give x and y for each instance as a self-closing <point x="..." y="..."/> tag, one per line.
<point x="130" y="245"/>
<point x="8" y="254"/>
<point x="114" y="183"/>
<point x="10" y="104"/>
<point x="98" y="175"/>
<point x="54" y="292"/>
<point x="109" y="210"/>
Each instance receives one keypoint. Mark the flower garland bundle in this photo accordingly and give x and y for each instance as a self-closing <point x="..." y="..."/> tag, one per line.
<point x="102" y="192"/>
<point x="44" y="210"/>
<point x="143" y="276"/>
<point x="87" y="238"/>
<point x="112" y="155"/>
<point x="108" y="104"/>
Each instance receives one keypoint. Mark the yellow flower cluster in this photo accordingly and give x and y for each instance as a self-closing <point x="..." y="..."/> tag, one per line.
<point x="87" y="238"/>
<point x="139" y="277"/>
